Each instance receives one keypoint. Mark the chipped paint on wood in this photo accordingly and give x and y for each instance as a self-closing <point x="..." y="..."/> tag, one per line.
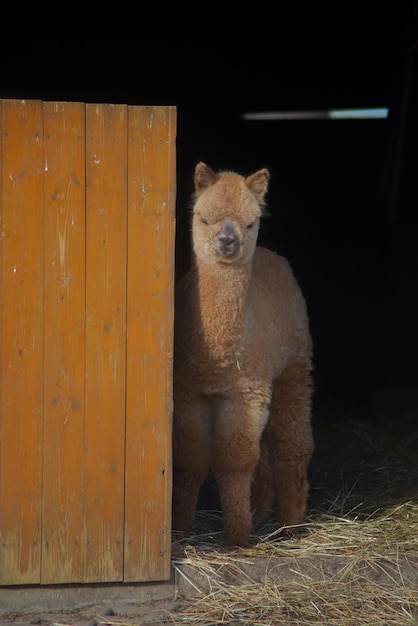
<point x="86" y="315"/>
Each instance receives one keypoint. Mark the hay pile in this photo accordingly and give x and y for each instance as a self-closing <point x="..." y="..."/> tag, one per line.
<point x="357" y="561"/>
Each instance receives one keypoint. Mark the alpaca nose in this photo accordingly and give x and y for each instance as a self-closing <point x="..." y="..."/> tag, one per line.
<point x="226" y="240"/>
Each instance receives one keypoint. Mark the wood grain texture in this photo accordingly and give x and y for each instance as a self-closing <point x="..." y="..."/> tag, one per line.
<point x="106" y="237"/>
<point x="151" y="205"/>
<point x="63" y="527"/>
<point x="87" y="203"/>
<point x="21" y="322"/>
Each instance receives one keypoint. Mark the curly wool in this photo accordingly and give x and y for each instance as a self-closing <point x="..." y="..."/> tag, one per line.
<point x="242" y="367"/>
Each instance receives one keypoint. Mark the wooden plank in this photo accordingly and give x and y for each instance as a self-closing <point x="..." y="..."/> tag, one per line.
<point x="151" y="206"/>
<point x="21" y="321"/>
<point x="106" y="233"/>
<point x="67" y="266"/>
<point x="63" y="529"/>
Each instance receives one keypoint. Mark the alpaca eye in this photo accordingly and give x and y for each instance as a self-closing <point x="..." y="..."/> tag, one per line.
<point x="202" y="219"/>
<point x="250" y="225"/>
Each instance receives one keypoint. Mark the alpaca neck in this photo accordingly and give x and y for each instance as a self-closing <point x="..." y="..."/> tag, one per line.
<point x="221" y="297"/>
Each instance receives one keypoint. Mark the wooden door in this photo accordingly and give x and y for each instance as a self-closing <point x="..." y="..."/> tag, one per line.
<point x="87" y="203"/>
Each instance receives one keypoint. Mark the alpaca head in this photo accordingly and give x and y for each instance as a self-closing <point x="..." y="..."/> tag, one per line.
<point x="226" y="214"/>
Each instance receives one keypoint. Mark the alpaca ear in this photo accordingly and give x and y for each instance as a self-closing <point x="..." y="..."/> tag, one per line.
<point x="258" y="184"/>
<point x="204" y="177"/>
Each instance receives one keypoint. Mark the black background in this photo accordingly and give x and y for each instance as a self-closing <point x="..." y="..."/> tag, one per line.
<point x="344" y="194"/>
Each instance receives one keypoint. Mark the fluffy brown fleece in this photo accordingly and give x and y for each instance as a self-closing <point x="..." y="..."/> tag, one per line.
<point x="242" y="366"/>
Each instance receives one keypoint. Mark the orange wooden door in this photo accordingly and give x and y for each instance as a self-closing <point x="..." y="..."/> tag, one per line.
<point x="87" y="203"/>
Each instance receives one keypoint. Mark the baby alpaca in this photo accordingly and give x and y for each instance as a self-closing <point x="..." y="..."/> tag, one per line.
<point x="242" y="365"/>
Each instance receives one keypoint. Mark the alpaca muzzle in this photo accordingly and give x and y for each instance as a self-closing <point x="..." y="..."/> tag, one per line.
<point x="227" y="243"/>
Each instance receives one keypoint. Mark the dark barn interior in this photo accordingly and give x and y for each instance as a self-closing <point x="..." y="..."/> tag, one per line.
<point x="343" y="198"/>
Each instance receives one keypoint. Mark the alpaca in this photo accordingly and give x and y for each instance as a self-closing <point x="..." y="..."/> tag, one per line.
<point x="242" y="365"/>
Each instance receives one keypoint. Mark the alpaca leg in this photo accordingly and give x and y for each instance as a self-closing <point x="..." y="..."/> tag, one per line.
<point x="290" y="439"/>
<point x="235" y="453"/>
<point x="186" y="486"/>
<point x="234" y="489"/>
<point x="262" y="488"/>
<point x="191" y="449"/>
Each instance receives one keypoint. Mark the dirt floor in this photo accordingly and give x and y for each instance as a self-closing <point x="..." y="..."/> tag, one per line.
<point x="121" y="614"/>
